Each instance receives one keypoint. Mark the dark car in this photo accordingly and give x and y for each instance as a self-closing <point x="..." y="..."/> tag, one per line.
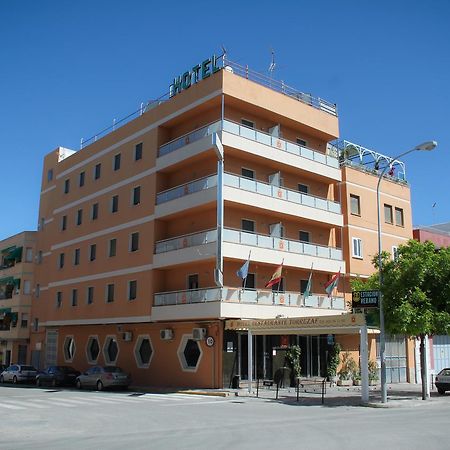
<point x="103" y="377"/>
<point x="57" y="376"/>
<point x="17" y="373"/>
<point x="442" y="381"/>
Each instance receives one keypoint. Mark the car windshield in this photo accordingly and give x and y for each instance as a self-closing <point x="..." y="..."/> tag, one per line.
<point x="28" y="368"/>
<point x="111" y="369"/>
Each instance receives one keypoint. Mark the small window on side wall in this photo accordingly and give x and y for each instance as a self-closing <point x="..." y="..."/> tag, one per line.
<point x="355" y="206"/>
<point x="357" y="248"/>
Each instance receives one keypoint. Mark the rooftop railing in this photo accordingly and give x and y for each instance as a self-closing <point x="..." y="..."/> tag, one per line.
<point x="248" y="296"/>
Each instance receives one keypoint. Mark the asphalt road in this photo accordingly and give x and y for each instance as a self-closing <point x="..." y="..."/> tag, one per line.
<point x="34" y="418"/>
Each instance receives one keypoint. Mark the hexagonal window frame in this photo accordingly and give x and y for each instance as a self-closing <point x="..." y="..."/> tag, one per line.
<point x="181" y="357"/>
<point x="137" y="355"/>
<point x="88" y="354"/>
<point x="108" y="339"/>
<point x="67" y="340"/>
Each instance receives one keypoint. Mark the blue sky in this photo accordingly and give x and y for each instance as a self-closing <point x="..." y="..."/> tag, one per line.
<point x="69" y="68"/>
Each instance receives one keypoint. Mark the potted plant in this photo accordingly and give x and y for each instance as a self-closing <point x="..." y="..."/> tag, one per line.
<point x="373" y="372"/>
<point x="333" y="363"/>
<point x="348" y="369"/>
<point x="293" y="360"/>
<point x="357" y="378"/>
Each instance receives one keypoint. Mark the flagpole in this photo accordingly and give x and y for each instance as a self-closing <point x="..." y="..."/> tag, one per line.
<point x="246" y="275"/>
<point x="281" y="277"/>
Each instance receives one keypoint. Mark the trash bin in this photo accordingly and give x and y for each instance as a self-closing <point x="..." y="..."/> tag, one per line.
<point x="236" y="381"/>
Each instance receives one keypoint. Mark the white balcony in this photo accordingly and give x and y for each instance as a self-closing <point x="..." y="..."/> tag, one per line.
<point x="235" y="302"/>
<point x="243" y="138"/>
<point x="237" y="244"/>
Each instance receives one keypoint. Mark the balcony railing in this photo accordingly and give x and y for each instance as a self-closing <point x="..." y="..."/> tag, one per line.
<point x="278" y="243"/>
<point x="237" y="295"/>
<point x="252" y="134"/>
<point x="187" y="240"/>
<point x="248" y="184"/>
<point x="186" y="189"/>
<point x="247" y="238"/>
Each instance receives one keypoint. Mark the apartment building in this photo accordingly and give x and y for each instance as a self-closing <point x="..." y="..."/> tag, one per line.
<point x="16" y="284"/>
<point x="143" y="231"/>
<point x="361" y="170"/>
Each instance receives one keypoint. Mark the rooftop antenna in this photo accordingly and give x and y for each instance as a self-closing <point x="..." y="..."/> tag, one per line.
<point x="272" y="63"/>
<point x="224" y="55"/>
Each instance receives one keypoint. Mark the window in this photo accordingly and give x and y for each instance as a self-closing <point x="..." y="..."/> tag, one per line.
<point x="97" y="171"/>
<point x="388" y="214"/>
<point x="112" y="247"/>
<point x="250" y="281"/>
<point x="303" y="236"/>
<point x="36" y="324"/>
<point x="136" y="195"/>
<point x="143" y="351"/>
<point x="303" y="286"/>
<point x="303" y="188"/>
<point x="278" y="287"/>
<point x="115" y="204"/>
<point x="193" y="281"/>
<point x="39" y="257"/>
<point x="355" y="206"/>
<point x="24" y="321"/>
<point x="134" y="242"/>
<point x="399" y="221"/>
<point x="357" y="248"/>
<point x="92" y="252"/>
<point x="247" y="173"/>
<point x="248" y="123"/>
<point x="138" y="151"/>
<point x="110" y="350"/>
<point x="94" y="211"/>
<point x="90" y="295"/>
<point x="63" y="223"/>
<point x="74" y="297"/>
<point x="189" y="354"/>
<point x="302" y="142"/>
<point x="132" y="290"/>
<point x="59" y="299"/>
<point x="394" y="252"/>
<point x="69" y="348"/>
<point x="248" y="225"/>
<point x="117" y="162"/>
<point x="27" y="287"/>
<point x="49" y="175"/>
<point x="93" y="349"/>
<point x="110" y="293"/>
<point x="79" y="217"/>
<point x="81" y="178"/>
<point x="66" y="186"/>
<point x="37" y="290"/>
<point x="28" y="254"/>
<point x="61" y="260"/>
<point x="76" y="257"/>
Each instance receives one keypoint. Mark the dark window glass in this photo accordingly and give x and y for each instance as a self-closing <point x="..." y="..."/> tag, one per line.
<point x="97" y="171"/>
<point x="145" y="351"/>
<point x="193" y="281"/>
<point x="76" y="257"/>
<point x="250" y="281"/>
<point x="74" y="297"/>
<point x="59" y="299"/>
<point x="90" y="296"/>
<point x="303" y="188"/>
<point x="112" y="247"/>
<point x="63" y="223"/>
<point x="95" y="211"/>
<point x="50" y="175"/>
<point x="248" y="173"/>
<point x="304" y="236"/>
<point x="134" y="242"/>
<point x="79" y="217"/>
<point x="115" y="204"/>
<point x="61" y="260"/>
<point x="117" y="162"/>
<point x="248" y="225"/>
<point x="138" y="152"/>
<point x="93" y="252"/>
<point x="137" y="195"/>
<point x="355" y="206"/>
<point x="110" y="293"/>
<point x="301" y="142"/>
<point x="191" y="353"/>
<point x="278" y="287"/>
<point x="303" y="286"/>
<point x="248" y="123"/>
<point x="399" y="217"/>
<point x="388" y="214"/>
<point x="93" y="349"/>
<point x="66" y="186"/>
<point x="81" y="179"/>
<point x="112" y="351"/>
<point x="132" y="290"/>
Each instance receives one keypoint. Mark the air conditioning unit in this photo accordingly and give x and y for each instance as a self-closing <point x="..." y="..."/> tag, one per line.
<point x="127" y="336"/>
<point x="166" y="335"/>
<point x="198" y="334"/>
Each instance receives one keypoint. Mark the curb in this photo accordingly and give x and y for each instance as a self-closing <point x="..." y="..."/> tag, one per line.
<point x="211" y="394"/>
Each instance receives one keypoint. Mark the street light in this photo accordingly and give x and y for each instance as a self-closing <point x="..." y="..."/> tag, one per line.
<point x="426" y="146"/>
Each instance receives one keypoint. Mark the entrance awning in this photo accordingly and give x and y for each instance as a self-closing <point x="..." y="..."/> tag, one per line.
<point x="7" y="280"/>
<point x="7" y="250"/>
<point x="14" y="253"/>
<point x="4" y="311"/>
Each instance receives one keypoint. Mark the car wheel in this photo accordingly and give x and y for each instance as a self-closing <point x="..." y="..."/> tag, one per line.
<point x="14" y="380"/>
<point x="78" y="384"/>
<point x="38" y="382"/>
<point x="99" y="386"/>
<point x="441" y="391"/>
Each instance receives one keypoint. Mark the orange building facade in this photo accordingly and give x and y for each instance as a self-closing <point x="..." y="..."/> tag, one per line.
<point x="143" y="231"/>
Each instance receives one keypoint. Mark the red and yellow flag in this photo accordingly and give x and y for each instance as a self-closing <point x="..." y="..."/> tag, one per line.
<point x="276" y="277"/>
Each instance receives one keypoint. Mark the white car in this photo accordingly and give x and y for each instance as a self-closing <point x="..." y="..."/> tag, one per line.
<point x="17" y="373"/>
<point x="442" y="381"/>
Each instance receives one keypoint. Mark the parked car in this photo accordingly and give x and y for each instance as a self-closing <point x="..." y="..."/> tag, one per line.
<point x="18" y="373"/>
<point x="103" y="377"/>
<point x="442" y="381"/>
<point x="3" y="367"/>
<point x="57" y="376"/>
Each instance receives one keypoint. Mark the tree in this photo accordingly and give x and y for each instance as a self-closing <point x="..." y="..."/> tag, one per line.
<point x="416" y="294"/>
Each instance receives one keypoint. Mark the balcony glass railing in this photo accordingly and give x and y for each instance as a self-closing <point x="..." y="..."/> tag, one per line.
<point x="252" y="134"/>
<point x="186" y="189"/>
<point x="187" y="240"/>
<point x="278" y="243"/>
<point x="237" y="295"/>
<point x="248" y="184"/>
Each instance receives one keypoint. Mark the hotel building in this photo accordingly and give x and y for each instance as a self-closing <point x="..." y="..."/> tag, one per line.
<point x="16" y="283"/>
<point x="143" y="230"/>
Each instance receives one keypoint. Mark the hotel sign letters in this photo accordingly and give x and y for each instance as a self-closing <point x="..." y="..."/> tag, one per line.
<point x="198" y="72"/>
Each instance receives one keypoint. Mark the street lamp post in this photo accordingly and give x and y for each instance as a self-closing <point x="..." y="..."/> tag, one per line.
<point x="427" y="146"/>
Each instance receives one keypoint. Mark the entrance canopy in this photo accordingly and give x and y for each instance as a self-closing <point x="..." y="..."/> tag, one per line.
<point x="340" y="324"/>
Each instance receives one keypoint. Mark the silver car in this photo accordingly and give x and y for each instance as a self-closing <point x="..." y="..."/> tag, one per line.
<point x="17" y="373"/>
<point x="103" y="377"/>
